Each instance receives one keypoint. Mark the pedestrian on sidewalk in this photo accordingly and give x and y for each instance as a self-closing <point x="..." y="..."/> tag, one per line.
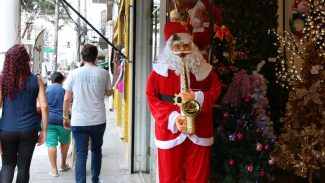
<point x="19" y="125"/>
<point x="55" y="131"/>
<point x="88" y="85"/>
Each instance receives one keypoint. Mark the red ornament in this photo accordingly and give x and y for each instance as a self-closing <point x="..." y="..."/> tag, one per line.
<point x="250" y="168"/>
<point x="231" y="162"/>
<point x="262" y="173"/>
<point x="247" y="99"/>
<point x="225" y="115"/>
<point x="240" y="136"/>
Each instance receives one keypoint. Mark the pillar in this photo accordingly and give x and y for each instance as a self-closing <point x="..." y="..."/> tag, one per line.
<point x="10" y="26"/>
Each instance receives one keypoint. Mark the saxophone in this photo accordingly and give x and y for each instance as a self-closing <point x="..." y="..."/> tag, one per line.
<point x="191" y="108"/>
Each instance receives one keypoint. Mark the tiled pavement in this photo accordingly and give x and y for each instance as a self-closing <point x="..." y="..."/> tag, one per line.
<point x="114" y="164"/>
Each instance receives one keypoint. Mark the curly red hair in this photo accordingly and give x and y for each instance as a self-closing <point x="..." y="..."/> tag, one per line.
<point x="15" y="71"/>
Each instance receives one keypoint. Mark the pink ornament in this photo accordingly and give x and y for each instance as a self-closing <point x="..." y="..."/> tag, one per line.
<point x="250" y="168"/>
<point x="225" y="115"/>
<point x="240" y="136"/>
<point x="272" y="161"/>
<point x="231" y="162"/>
<point x="267" y="147"/>
<point x="259" y="147"/>
<point x="262" y="173"/>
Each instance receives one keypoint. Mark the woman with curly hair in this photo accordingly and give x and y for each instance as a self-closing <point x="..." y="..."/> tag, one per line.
<point x="19" y="92"/>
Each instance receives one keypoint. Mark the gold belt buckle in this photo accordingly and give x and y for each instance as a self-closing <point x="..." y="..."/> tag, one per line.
<point x="177" y="100"/>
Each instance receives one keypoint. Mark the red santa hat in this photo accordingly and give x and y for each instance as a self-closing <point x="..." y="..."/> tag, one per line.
<point x="174" y="28"/>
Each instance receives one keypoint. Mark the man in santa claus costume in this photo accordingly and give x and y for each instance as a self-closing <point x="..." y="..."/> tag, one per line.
<point x="178" y="151"/>
<point x="199" y="22"/>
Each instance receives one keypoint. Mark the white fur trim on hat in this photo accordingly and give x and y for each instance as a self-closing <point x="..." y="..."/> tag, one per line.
<point x="186" y="38"/>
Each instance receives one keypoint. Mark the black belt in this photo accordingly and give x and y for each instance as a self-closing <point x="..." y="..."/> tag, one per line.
<point x="169" y="98"/>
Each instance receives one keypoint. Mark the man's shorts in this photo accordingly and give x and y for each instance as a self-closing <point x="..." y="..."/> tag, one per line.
<point x="57" y="134"/>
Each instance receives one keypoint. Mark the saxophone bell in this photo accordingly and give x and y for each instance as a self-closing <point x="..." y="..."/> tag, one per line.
<point x="191" y="109"/>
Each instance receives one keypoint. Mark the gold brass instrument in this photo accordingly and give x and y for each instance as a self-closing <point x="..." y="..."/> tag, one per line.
<point x="191" y="108"/>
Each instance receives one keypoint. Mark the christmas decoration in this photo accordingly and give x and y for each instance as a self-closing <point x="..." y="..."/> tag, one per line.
<point x="250" y="44"/>
<point x="225" y="115"/>
<point x="240" y="136"/>
<point x="261" y="104"/>
<point x="247" y="22"/>
<point x="250" y="168"/>
<point x="240" y="122"/>
<point x="259" y="147"/>
<point x="267" y="147"/>
<point x="300" y="148"/>
<point x="222" y="32"/>
<point x="180" y="68"/>
<point x="271" y="161"/>
<point x="262" y="173"/>
<point x="231" y="162"/>
<point x="287" y="72"/>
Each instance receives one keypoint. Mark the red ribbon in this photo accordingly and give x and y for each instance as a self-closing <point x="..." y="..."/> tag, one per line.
<point x="222" y="32"/>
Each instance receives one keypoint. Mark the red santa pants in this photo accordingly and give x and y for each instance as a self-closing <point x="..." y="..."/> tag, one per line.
<point x="186" y="158"/>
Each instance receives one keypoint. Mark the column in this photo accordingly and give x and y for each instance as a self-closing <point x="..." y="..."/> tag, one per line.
<point x="10" y="26"/>
<point x="141" y="67"/>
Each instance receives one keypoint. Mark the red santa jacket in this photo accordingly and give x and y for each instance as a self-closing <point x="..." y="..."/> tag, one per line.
<point x="163" y="111"/>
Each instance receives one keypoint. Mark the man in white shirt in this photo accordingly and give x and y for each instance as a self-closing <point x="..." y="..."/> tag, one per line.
<point x="88" y="86"/>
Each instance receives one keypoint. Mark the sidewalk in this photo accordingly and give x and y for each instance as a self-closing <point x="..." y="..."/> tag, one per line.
<point x="114" y="164"/>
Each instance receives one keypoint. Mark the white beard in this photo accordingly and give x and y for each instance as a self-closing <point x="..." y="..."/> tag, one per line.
<point x="192" y="60"/>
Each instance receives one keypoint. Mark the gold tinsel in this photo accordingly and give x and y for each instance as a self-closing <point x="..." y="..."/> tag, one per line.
<point x="301" y="147"/>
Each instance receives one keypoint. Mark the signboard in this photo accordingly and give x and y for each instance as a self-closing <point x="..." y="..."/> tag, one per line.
<point x="38" y="54"/>
<point x="48" y="50"/>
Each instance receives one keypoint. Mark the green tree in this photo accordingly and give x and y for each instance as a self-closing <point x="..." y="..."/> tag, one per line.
<point x="42" y="9"/>
<point x="244" y="137"/>
<point x="249" y="22"/>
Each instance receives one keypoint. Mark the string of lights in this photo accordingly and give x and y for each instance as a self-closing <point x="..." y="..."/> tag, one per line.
<point x="292" y="49"/>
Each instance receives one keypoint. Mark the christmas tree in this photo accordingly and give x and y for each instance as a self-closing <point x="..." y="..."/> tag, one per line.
<point x="300" y="148"/>
<point x="244" y="137"/>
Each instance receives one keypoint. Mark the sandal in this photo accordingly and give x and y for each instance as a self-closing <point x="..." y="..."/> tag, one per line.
<point x="67" y="167"/>
<point x="53" y="175"/>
